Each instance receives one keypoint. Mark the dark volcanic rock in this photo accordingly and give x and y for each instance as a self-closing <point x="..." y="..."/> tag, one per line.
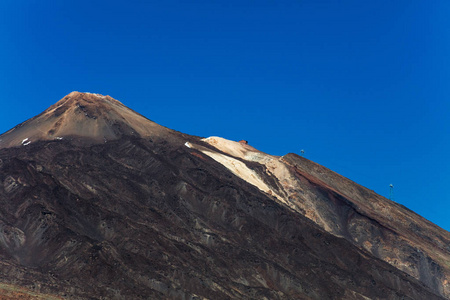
<point x="158" y="216"/>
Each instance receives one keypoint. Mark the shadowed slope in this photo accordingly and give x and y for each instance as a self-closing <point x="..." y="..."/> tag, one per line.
<point x="140" y="219"/>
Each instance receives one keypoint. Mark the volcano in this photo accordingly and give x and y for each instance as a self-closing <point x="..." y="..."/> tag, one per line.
<point x="99" y="202"/>
<point x="85" y="118"/>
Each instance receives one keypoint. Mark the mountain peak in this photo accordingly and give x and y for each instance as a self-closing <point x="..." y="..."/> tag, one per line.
<point x="76" y="96"/>
<point x="92" y="105"/>
<point x="131" y="217"/>
<point x="86" y="117"/>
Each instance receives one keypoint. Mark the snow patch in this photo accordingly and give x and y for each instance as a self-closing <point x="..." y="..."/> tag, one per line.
<point x="26" y="142"/>
<point x="187" y="144"/>
<point x="97" y="95"/>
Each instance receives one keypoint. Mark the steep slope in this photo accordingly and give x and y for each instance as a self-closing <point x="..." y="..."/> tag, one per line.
<point x="153" y="213"/>
<point x="384" y="228"/>
<point x="83" y="118"/>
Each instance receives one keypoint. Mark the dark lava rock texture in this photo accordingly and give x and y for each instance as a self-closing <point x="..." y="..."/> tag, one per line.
<point x="134" y="213"/>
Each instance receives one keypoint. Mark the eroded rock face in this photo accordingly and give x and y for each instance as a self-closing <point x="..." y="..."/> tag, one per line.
<point x="345" y="209"/>
<point x="384" y="228"/>
<point x="167" y="216"/>
<point x="172" y="226"/>
<point x="10" y="184"/>
<point x="11" y="237"/>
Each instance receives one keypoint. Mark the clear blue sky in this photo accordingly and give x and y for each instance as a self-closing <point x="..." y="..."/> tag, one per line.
<point x="362" y="86"/>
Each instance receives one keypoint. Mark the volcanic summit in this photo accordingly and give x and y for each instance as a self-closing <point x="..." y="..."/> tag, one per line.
<point x="85" y="117"/>
<point x="99" y="202"/>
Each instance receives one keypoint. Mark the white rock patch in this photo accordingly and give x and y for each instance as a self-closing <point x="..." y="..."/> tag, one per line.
<point x="241" y="170"/>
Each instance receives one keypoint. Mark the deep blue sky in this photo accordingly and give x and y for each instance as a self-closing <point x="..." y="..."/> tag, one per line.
<point x="362" y="86"/>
